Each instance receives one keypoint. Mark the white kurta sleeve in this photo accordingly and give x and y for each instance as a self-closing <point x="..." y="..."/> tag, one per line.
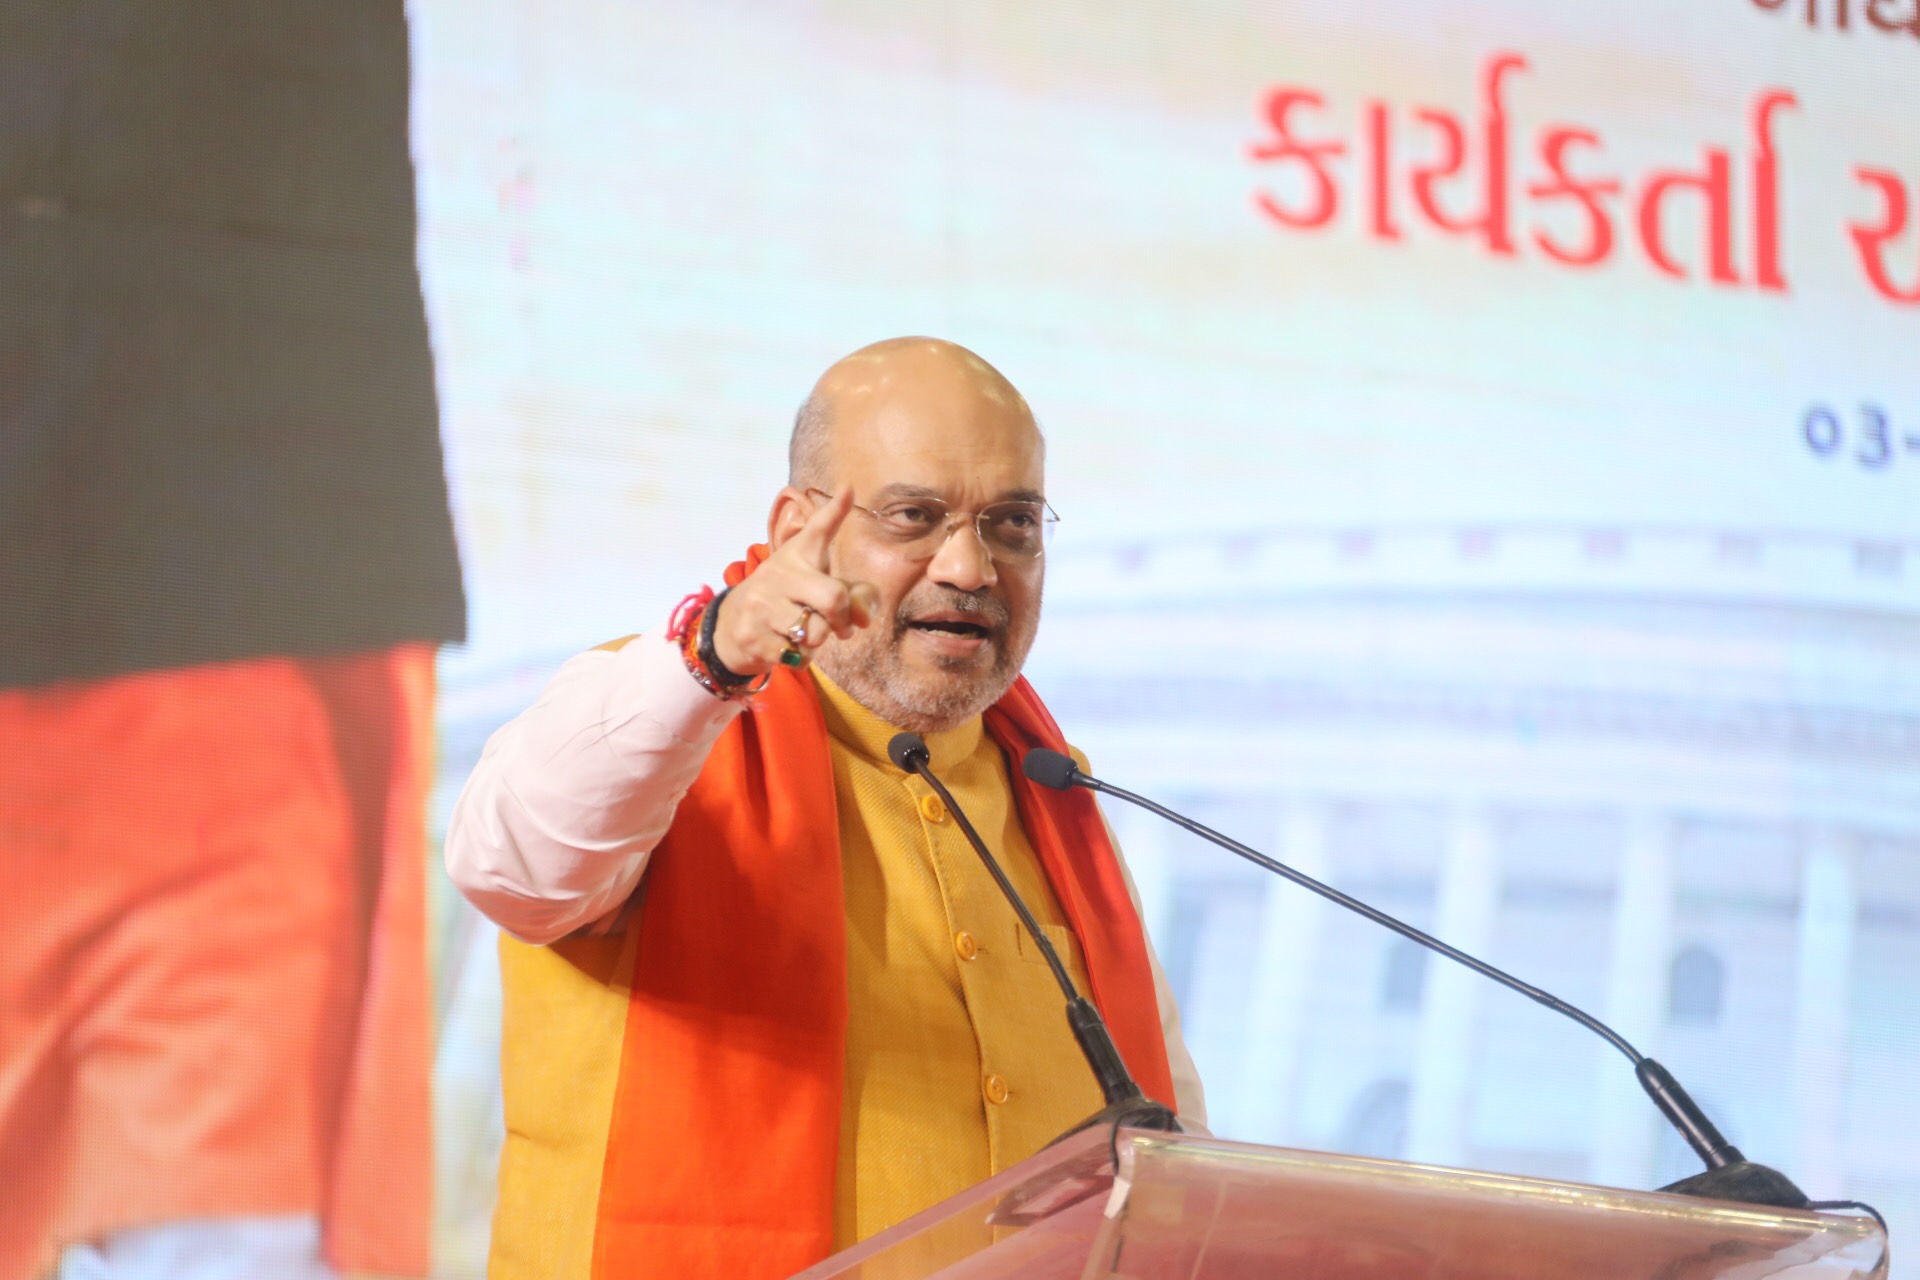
<point x="553" y="828"/>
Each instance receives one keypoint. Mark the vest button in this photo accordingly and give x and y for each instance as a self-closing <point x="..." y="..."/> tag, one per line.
<point x="964" y="946"/>
<point x="995" y="1088"/>
<point x="932" y="810"/>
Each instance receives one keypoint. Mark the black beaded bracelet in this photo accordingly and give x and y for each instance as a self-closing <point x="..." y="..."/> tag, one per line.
<point x="725" y="683"/>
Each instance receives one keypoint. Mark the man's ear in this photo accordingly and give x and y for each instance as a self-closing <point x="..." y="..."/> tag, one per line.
<point x="791" y="508"/>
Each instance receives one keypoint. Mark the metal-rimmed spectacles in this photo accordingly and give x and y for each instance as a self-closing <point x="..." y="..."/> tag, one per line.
<point x="1013" y="532"/>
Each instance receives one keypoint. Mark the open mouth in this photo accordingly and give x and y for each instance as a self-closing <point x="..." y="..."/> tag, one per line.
<point x="952" y="627"/>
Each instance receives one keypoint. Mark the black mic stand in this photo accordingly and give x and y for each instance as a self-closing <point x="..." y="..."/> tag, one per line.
<point x="1126" y="1104"/>
<point x="1729" y="1174"/>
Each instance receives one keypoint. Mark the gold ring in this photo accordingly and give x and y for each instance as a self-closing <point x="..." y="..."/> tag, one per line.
<point x="797" y="633"/>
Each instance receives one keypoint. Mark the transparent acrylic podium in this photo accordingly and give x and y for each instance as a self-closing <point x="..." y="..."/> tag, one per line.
<point x="1206" y="1209"/>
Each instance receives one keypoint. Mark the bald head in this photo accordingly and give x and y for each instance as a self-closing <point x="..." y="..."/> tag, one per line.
<point x="925" y="377"/>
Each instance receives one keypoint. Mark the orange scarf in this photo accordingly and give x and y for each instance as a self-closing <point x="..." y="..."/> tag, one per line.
<point x="725" y="1128"/>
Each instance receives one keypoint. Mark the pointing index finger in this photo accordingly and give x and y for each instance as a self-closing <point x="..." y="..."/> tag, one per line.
<point x="818" y="532"/>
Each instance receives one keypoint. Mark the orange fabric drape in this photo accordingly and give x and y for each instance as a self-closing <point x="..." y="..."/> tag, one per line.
<point x="720" y="1155"/>
<point x="213" y="984"/>
<point x="378" y="1211"/>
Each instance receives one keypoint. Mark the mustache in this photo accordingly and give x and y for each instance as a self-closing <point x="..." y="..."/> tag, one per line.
<point x="991" y="610"/>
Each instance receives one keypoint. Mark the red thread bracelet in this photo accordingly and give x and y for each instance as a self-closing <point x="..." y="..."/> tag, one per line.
<point x="687" y="613"/>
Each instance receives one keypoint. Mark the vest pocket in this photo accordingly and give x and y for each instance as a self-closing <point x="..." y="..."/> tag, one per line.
<point x="1063" y="942"/>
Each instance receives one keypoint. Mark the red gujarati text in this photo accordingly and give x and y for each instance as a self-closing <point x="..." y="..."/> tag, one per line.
<point x="1872" y="242"/>
<point x="1605" y="206"/>
<point x="1894" y="17"/>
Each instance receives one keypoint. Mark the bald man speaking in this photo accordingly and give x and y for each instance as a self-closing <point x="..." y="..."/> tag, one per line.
<point x="762" y="999"/>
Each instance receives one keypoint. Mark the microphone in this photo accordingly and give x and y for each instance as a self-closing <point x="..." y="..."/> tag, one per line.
<point x="1729" y="1174"/>
<point x="1125" y="1103"/>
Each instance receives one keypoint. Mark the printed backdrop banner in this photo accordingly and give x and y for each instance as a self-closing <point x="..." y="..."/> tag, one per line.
<point x="1487" y="438"/>
<point x="1487" y="442"/>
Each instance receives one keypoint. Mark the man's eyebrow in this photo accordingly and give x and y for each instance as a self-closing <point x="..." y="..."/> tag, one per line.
<point x="895" y="492"/>
<point x="899" y="491"/>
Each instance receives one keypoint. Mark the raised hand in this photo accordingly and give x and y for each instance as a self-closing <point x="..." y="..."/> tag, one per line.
<point x="750" y="631"/>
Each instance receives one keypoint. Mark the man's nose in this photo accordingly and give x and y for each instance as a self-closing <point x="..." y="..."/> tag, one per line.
<point x="962" y="561"/>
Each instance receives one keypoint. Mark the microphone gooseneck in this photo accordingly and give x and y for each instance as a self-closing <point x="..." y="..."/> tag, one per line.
<point x="908" y="751"/>
<point x="1730" y="1175"/>
<point x="1125" y="1102"/>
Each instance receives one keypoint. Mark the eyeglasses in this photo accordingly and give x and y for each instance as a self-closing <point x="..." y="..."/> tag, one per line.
<point x="1012" y="532"/>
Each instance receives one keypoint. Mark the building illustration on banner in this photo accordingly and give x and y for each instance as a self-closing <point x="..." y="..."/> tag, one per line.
<point x="1696" y="817"/>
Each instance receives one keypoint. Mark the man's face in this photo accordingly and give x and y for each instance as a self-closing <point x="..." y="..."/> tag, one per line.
<point x="954" y="626"/>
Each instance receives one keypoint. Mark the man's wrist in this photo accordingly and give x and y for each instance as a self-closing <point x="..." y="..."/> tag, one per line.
<point x="709" y="656"/>
<point x="693" y="629"/>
